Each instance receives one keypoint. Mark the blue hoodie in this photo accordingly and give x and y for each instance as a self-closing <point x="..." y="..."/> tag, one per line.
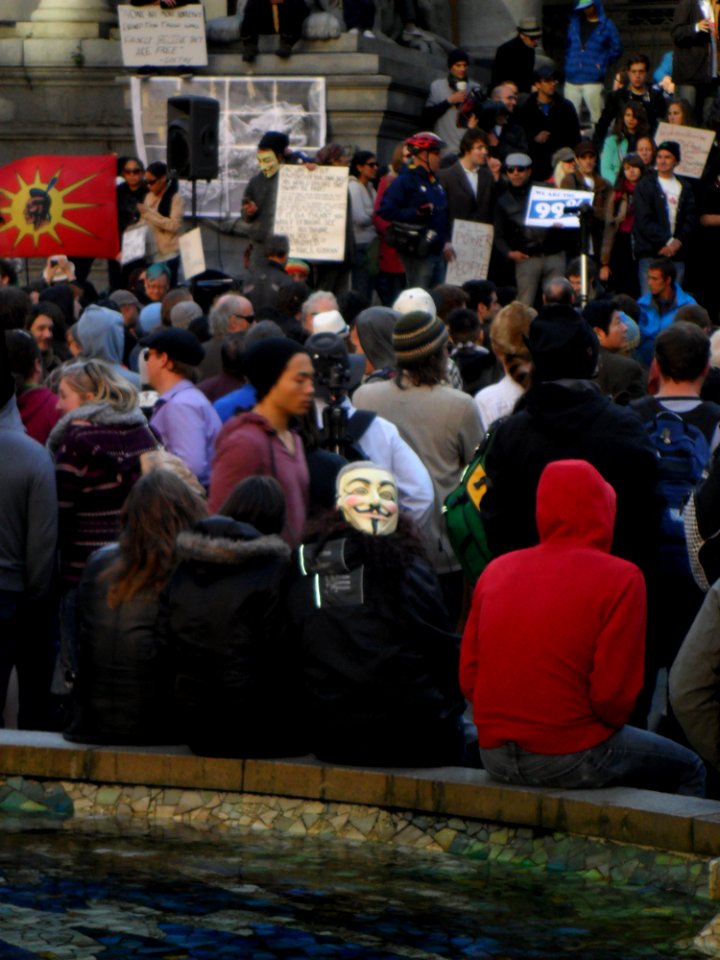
<point x="588" y="64"/>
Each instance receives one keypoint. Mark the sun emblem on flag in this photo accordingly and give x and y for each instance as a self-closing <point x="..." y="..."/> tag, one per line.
<point x="38" y="208"/>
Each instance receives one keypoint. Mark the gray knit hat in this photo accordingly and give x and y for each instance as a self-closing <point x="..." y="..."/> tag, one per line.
<point x="417" y="335"/>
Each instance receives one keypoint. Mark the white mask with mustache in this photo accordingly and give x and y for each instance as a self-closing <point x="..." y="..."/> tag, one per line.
<point x="367" y="497"/>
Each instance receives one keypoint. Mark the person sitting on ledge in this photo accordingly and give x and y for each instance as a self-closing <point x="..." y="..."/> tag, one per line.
<point x="234" y="662"/>
<point x="552" y="654"/>
<point x="379" y="661"/>
<point x="123" y="690"/>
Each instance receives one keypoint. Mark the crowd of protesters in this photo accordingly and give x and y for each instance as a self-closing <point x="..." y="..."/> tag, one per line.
<point x="222" y="500"/>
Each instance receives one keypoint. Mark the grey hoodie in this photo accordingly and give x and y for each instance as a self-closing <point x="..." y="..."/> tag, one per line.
<point x="102" y="335"/>
<point x="28" y="509"/>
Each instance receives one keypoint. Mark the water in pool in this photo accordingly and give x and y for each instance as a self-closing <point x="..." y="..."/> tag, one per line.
<point x="179" y="895"/>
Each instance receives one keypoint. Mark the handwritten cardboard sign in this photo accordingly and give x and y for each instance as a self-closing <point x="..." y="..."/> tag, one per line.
<point x="311" y="210"/>
<point x="192" y="253"/>
<point x="472" y="243"/>
<point x="152" y="37"/>
<point x="694" y="146"/>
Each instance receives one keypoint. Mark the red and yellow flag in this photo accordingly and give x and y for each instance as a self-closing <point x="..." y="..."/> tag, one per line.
<point x="55" y="204"/>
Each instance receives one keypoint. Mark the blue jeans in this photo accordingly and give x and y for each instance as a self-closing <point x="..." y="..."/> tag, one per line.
<point x="644" y="263"/>
<point x="427" y="272"/>
<point x="631" y="757"/>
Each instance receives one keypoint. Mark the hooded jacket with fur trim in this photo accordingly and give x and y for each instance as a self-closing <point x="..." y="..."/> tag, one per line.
<point x="223" y="619"/>
<point x="552" y="654"/>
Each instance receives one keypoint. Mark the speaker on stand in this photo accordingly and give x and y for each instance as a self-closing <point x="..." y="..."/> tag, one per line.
<point x="193" y="140"/>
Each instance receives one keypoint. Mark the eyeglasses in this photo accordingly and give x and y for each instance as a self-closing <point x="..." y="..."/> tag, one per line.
<point x="245" y="316"/>
<point x="517" y="169"/>
<point x="150" y="182"/>
<point x="132" y="170"/>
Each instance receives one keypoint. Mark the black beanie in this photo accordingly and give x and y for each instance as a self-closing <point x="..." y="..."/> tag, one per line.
<point x="562" y="349"/>
<point x="275" y="141"/>
<point x="264" y="362"/>
<point x="456" y="55"/>
<point x="672" y="146"/>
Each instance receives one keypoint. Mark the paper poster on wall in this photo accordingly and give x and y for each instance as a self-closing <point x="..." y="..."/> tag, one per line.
<point x="249" y="107"/>
<point x="472" y="243"/>
<point x="694" y="143"/>
<point x="549" y="207"/>
<point x="155" y="37"/>
<point x="311" y="210"/>
<point x="191" y="253"/>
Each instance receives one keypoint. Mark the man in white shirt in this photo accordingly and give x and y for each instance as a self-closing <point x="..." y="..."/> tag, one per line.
<point x="664" y="215"/>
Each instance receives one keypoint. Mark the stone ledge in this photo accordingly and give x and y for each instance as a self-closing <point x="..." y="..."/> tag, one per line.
<point x="681" y="824"/>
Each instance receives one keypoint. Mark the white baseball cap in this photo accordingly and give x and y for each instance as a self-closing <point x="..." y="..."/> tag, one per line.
<point x="415" y="298"/>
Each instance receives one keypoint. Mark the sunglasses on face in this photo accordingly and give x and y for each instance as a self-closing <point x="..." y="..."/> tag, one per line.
<point x="150" y="182"/>
<point x="132" y="170"/>
<point x="516" y="169"/>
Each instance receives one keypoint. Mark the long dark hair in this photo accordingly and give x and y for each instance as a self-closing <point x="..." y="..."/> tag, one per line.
<point x="643" y="127"/>
<point x="157" y="509"/>
<point x="259" y="501"/>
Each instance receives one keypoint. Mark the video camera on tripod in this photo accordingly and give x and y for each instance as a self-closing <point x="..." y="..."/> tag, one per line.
<point x="340" y="434"/>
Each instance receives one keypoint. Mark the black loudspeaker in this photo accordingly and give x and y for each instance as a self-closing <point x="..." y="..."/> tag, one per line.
<point x="192" y="137"/>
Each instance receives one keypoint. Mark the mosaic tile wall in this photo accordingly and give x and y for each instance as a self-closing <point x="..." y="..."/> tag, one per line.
<point x="529" y="849"/>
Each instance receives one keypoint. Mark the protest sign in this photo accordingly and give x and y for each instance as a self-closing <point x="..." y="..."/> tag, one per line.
<point x="154" y="37"/>
<point x="134" y="244"/>
<point x="311" y="210"/>
<point x="547" y="206"/>
<point x="694" y="146"/>
<point x="191" y="253"/>
<point x="472" y="243"/>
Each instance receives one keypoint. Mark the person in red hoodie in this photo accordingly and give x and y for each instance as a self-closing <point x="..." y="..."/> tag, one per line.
<point x="261" y="442"/>
<point x="552" y="654"/>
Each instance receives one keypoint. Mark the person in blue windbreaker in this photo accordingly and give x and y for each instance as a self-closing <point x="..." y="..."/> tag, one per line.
<point x="593" y="43"/>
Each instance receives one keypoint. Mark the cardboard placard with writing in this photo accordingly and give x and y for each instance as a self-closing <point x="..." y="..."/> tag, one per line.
<point x="312" y="211"/>
<point x="472" y="243"/>
<point x="694" y="143"/>
<point x="191" y="253"/>
<point x="152" y="37"/>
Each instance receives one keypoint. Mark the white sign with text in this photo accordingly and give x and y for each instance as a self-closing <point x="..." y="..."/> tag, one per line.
<point x="548" y="206"/>
<point x="311" y="210"/>
<point x="152" y="37"/>
<point x="694" y="143"/>
<point x="472" y="244"/>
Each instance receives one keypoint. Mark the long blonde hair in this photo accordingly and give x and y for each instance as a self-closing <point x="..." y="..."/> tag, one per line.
<point x="98" y="379"/>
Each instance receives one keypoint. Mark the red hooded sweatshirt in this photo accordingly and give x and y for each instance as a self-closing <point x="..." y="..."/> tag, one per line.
<point x="552" y="654"/>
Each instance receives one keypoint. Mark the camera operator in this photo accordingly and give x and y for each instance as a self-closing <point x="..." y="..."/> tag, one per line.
<point x="361" y="435"/>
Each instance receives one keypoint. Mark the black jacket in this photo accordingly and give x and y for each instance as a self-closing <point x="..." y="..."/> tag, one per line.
<point x="123" y="689"/>
<point x="571" y="420"/>
<point x="562" y="123"/>
<point x="514" y="61"/>
<point x="222" y="617"/>
<point x="379" y="663"/>
<point x="651" y="229"/>
<point x="653" y="102"/>
<point x="692" y="51"/>
<point x="511" y="232"/>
